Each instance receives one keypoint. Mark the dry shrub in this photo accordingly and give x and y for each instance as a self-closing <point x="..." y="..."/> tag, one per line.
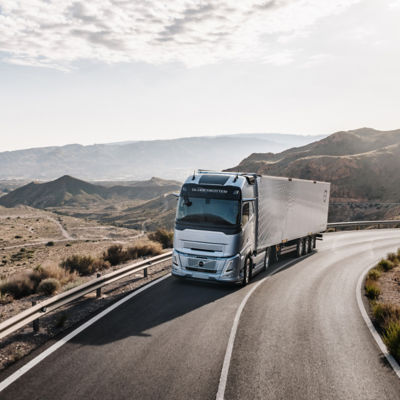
<point x="374" y="274"/>
<point x="27" y="283"/>
<point x="163" y="236"/>
<point x="18" y="286"/>
<point x="392" y="338"/>
<point x="99" y="264"/>
<point x="115" y="255"/>
<point x="80" y="264"/>
<point x="393" y="258"/>
<point x="53" y="271"/>
<point x="144" y="248"/>
<point x="387" y="317"/>
<point x="385" y="265"/>
<point x="48" y="286"/>
<point x="372" y="289"/>
<point x="384" y="313"/>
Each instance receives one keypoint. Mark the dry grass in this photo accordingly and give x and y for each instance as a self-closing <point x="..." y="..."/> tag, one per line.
<point x="49" y="286"/>
<point x="374" y="274"/>
<point x="27" y="283"/>
<point x="84" y="265"/>
<point x="117" y="254"/>
<point x="386" y="315"/>
<point x="372" y="289"/>
<point x="144" y="248"/>
<point x="385" y="265"/>
<point x="163" y="236"/>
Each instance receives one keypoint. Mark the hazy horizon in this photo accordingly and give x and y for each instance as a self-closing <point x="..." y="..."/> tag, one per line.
<point x="164" y="139"/>
<point x="112" y="71"/>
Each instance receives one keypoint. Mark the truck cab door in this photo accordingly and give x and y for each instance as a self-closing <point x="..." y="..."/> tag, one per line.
<point x="248" y="227"/>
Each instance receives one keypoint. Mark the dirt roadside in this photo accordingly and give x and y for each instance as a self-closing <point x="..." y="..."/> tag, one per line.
<point x="56" y="324"/>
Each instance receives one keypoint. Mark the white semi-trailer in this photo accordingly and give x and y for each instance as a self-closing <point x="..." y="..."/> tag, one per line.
<point x="229" y="226"/>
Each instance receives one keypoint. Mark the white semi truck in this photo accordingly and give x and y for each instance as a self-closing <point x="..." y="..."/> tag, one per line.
<point x="230" y="226"/>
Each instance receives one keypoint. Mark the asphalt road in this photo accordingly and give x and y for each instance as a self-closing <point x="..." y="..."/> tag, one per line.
<point x="300" y="336"/>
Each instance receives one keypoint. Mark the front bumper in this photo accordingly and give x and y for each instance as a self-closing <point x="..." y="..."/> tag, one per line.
<point x="227" y="269"/>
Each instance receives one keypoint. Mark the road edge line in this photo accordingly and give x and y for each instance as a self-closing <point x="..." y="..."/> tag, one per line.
<point x="21" y="371"/>
<point x="393" y="363"/>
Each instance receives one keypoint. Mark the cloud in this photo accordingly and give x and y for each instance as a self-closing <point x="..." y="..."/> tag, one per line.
<point x="58" y="33"/>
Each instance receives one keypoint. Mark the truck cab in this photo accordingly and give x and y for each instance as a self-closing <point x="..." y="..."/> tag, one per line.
<point x="215" y="228"/>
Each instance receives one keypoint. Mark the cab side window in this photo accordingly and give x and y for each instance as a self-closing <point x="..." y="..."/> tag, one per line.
<point x="245" y="213"/>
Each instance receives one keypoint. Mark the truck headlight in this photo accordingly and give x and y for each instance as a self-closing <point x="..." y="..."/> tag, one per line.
<point x="175" y="260"/>
<point x="229" y="266"/>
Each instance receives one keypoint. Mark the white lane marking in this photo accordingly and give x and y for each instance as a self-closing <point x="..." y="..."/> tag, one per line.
<point x="17" y="374"/>
<point x="394" y="364"/>
<point x="228" y="354"/>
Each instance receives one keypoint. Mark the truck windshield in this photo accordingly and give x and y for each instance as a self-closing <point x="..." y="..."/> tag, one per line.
<point x="208" y="211"/>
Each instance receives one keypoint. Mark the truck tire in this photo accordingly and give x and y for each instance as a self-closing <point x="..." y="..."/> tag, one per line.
<point x="309" y="245"/>
<point x="300" y="248"/>
<point x="314" y="242"/>
<point x="267" y="259"/>
<point x="246" y="272"/>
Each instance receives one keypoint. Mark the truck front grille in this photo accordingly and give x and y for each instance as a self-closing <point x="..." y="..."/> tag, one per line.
<point x="202" y="264"/>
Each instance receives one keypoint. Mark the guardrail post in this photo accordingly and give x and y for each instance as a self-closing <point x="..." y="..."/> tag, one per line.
<point x="145" y="273"/>
<point x="98" y="290"/>
<point x="35" y="323"/>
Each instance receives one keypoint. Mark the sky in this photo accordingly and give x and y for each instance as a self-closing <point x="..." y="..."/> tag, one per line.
<point x="115" y="70"/>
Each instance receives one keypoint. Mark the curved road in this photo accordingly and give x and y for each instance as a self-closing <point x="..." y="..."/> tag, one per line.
<point x="300" y="336"/>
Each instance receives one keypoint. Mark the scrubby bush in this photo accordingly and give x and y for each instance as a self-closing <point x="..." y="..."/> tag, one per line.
<point x="374" y="274"/>
<point x="115" y="255"/>
<point x="100" y="264"/>
<point x="163" y="236"/>
<point x="384" y="313"/>
<point x="372" y="290"/>
<point x="393" y="258"/>
<point x="28" y="283"/>
<point x="83" y="265"/>
<point x="48" y="286"/>
<point x="144" y="248"/>
<point x="385" y="265"/>
<point x="18" y="286"/>
<point x="64" y="276"/>
<point x="51" y="243"/>
<point x="392" y="338"/>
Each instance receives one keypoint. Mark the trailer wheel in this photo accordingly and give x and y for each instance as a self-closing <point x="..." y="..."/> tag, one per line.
<point x="267" y="259"/>
<point x="246" y="272"/>
<point x="300" y="248"/>
<point x="309" y="244"/>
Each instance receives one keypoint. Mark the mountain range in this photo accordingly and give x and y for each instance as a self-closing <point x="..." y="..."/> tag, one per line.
<point x="362" y="166"/>
<point x="168" y="159"/>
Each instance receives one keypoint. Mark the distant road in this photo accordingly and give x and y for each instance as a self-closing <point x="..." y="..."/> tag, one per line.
<point x="300" y="336"/>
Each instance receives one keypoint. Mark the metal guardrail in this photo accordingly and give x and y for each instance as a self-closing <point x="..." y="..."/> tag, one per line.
<point x="358" y="224"/>
<point x="46" y="306"/>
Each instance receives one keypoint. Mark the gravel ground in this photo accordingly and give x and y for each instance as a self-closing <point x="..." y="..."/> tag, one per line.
<point x="389" y="283"/>
<point x="55" y="324"/>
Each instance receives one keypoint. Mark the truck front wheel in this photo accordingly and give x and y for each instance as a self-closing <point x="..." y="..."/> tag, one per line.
<point x="246" y="272"/>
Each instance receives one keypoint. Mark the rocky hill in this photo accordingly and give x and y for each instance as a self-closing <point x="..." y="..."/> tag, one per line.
<point x="71" y="192"/>
<point x="362" y="166"/>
